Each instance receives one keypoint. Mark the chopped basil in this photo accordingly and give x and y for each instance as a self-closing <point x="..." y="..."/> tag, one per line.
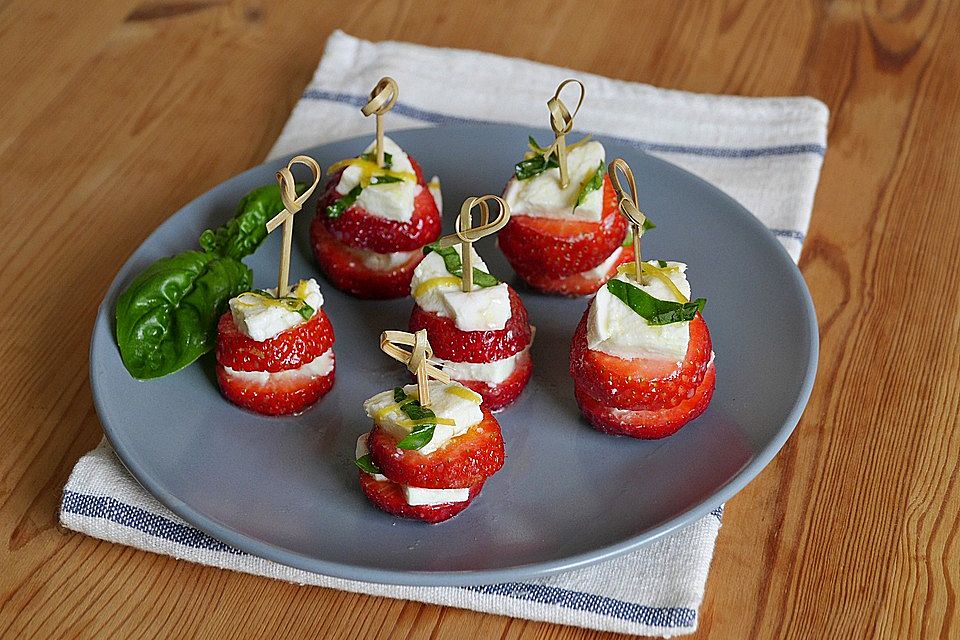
<point x="366" y="464"/>
<point x="305" y="310"/>
<point x="336" y="209"/>
<point x="662" y="264"/>
<point x="375" y="180"/>
<point x="654" y="310"/>
<point x="451" y="260"/>
<point x="399" y="395"/>
<point x="593" y="183"/>
<point x="627" y="239"/>
<point x="648" y="224"/>
<point x="415" y="412"/>
<point x="418" y="438"/>
<point x="291" y="303"/>
<point x="372" y="157"/>
<point x="534" y="166"/>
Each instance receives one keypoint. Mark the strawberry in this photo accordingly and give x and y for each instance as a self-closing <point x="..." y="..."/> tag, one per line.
<point x="577" y="284"/>
<point x="345" y="270"/>
<point x="283" y="393"/>
<point x="359" y="228"/>
<point x="290" y="350"/>
<point x="388" y="496"/>
<point x="464" y="461"/>
<point x="647" y="425"/>
<point x="497" y="396"/>
<point x="640" y="384"/>
<point x="453" y="344"/>
<point x="563" y="247"/>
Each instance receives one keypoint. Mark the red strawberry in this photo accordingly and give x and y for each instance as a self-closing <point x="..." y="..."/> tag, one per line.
<point x="451" y="343"/>
<point x="290" y="350"/>
<point x="647" y="425"/>
<point x="358" y="228"/>
<point x="463" y="462"/>
<point x="640" y="384"/>
<point x="559" y="248"/>
<point x="283" y="393"/>
<point x="497" y="396"/>
<point x="388" y="496"/>
<point x="577" y="284"/>
<point x="345" y="270"/>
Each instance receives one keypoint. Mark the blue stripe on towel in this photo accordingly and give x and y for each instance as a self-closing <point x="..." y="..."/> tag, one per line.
<point x="107" y="508"/>
<point x="436" y="117"/>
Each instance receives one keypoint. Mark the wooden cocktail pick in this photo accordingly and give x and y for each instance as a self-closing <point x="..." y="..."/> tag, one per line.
<point x="467" y="234"/>
<point x="291" y="205"/>
<point x="629" y="208"/>
<point x="417" y="360"/>
<point x="561" y="121"/>
<point x="382" y="99"/>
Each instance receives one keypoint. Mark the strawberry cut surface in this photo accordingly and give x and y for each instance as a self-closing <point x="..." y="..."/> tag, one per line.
<point x="647" y="425"/>
<point x="345" y="270"/>
<point x="450" y="343"/>
<point x="284" y="393"/>
<point x="464" y="461"/>
<point x="500" y="395"/>
<point x="640" y="384"/>
<point x="291" y="349"/>
<point x="577" y="284"/>
<point x="563" y="247"/>
<point x="388" y="496"/>
<point x="361" y="229"/>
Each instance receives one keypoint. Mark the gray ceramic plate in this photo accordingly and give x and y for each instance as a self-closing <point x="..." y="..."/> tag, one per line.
<point x="286" y="489"/>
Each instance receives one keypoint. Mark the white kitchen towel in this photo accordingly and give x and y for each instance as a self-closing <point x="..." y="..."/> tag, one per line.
<point x="765" y="152"/>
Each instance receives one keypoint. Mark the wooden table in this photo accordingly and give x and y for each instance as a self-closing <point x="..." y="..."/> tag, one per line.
<point x="113" y="116"/>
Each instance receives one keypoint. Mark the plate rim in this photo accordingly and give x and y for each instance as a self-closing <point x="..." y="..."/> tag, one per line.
<point x="270" y="551"/>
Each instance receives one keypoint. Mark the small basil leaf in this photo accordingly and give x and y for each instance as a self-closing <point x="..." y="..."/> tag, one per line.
<point x="305" y="310"/>
<point x="627" y="239"/>
<point x="484" y="279"/>
<point x="372" y="157"/>
<point x="399" y="395"/>
<point x="365" y="463"/>
<point x="167" y="317"/>
<point x="375" y="180"/>
<point x="415" y="412"/>
<point x="417" y="439"/>
<point x="336" y="209"/>
<point x="654" y="310"/>
<point x="242" y="234"/>
<point x="648" y="224"/>
<point x="662" y="264"/>
<point x="534" y="166"/>
<point x="454" y="266"/>
<point x="593" y="183"/>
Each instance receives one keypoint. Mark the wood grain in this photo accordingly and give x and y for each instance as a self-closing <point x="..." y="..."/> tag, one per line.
<point x="112" y="117"/>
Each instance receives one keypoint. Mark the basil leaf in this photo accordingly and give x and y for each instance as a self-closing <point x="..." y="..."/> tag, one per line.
<point x="365" y="463"/>
<point x="167" y="317"/>
<point x="305" y="310"/>
<point x="399" y="395"/>
<point x="415" y="412"/>
<point x="648" y="224"/>
<point x="417" y="439"/>
<point x="372" y="157"/>
<point x="336" y="209"/>
<point x="375" y="180"/>
<point x="662" y="264"/>
<point x="654" y="310"/>
<point x="627" y="239"/>
<point x="534" y="166"/>
<point x="243" y="233"/>
<point x="454" y="266"/>
<point x="592" y="184"/>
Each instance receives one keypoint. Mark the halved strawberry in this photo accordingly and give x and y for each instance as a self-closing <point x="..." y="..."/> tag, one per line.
<point x="577" y="284"/>
<point x="647" y="425"/>
<point x="358" y="228"/>
<point x="388" y="496"/>
<point x="346" y="271"/>
<point x="291" y="349"/>
<point x="640" y="384"/>
<point x="497" y="396"/>
<point x="462" y="462"/>
<point x="563" y="247"/>
<point x="451" y="343"/>
<point x="284" y="392"/>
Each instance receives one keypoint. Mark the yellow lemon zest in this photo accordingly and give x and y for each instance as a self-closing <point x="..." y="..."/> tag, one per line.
<point x="381" y="412"/>
<point x="369" y="170"/>
<point x="660" y="273"/>
<point x="465" y="393"/>
<point x="435" y="282"/>
<point x="426" y="421"/>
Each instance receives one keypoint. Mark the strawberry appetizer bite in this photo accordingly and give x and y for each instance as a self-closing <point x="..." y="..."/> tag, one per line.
<point x="478" y="325"/>
<point x="275" y="354"/>
<point x="432" y="445"/>
<point x="565" y="235"/>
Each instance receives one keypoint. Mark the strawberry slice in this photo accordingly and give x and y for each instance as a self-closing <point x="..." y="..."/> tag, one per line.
<point x="346" y="271"/>
<point x="464" y="461"/>
<point x="577" y="284"/>
<point x="497" y="396"/>
<point x="450" y="343"/>
<point x="291" y="349"/>
<point x="283" y="393"/>
<point x="647" y="425"/>
<point x="388" y="496"/>
<point x="564" y="247"/>
<point x="356" y="227"/>
<point x="640" y="384"/>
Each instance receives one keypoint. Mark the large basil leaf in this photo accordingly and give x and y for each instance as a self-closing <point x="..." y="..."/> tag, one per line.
<point x="167" y="317"/>
<point x="654" y="310"/>
<point x="454" y="266"/>
<point x="243" y="233"/>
